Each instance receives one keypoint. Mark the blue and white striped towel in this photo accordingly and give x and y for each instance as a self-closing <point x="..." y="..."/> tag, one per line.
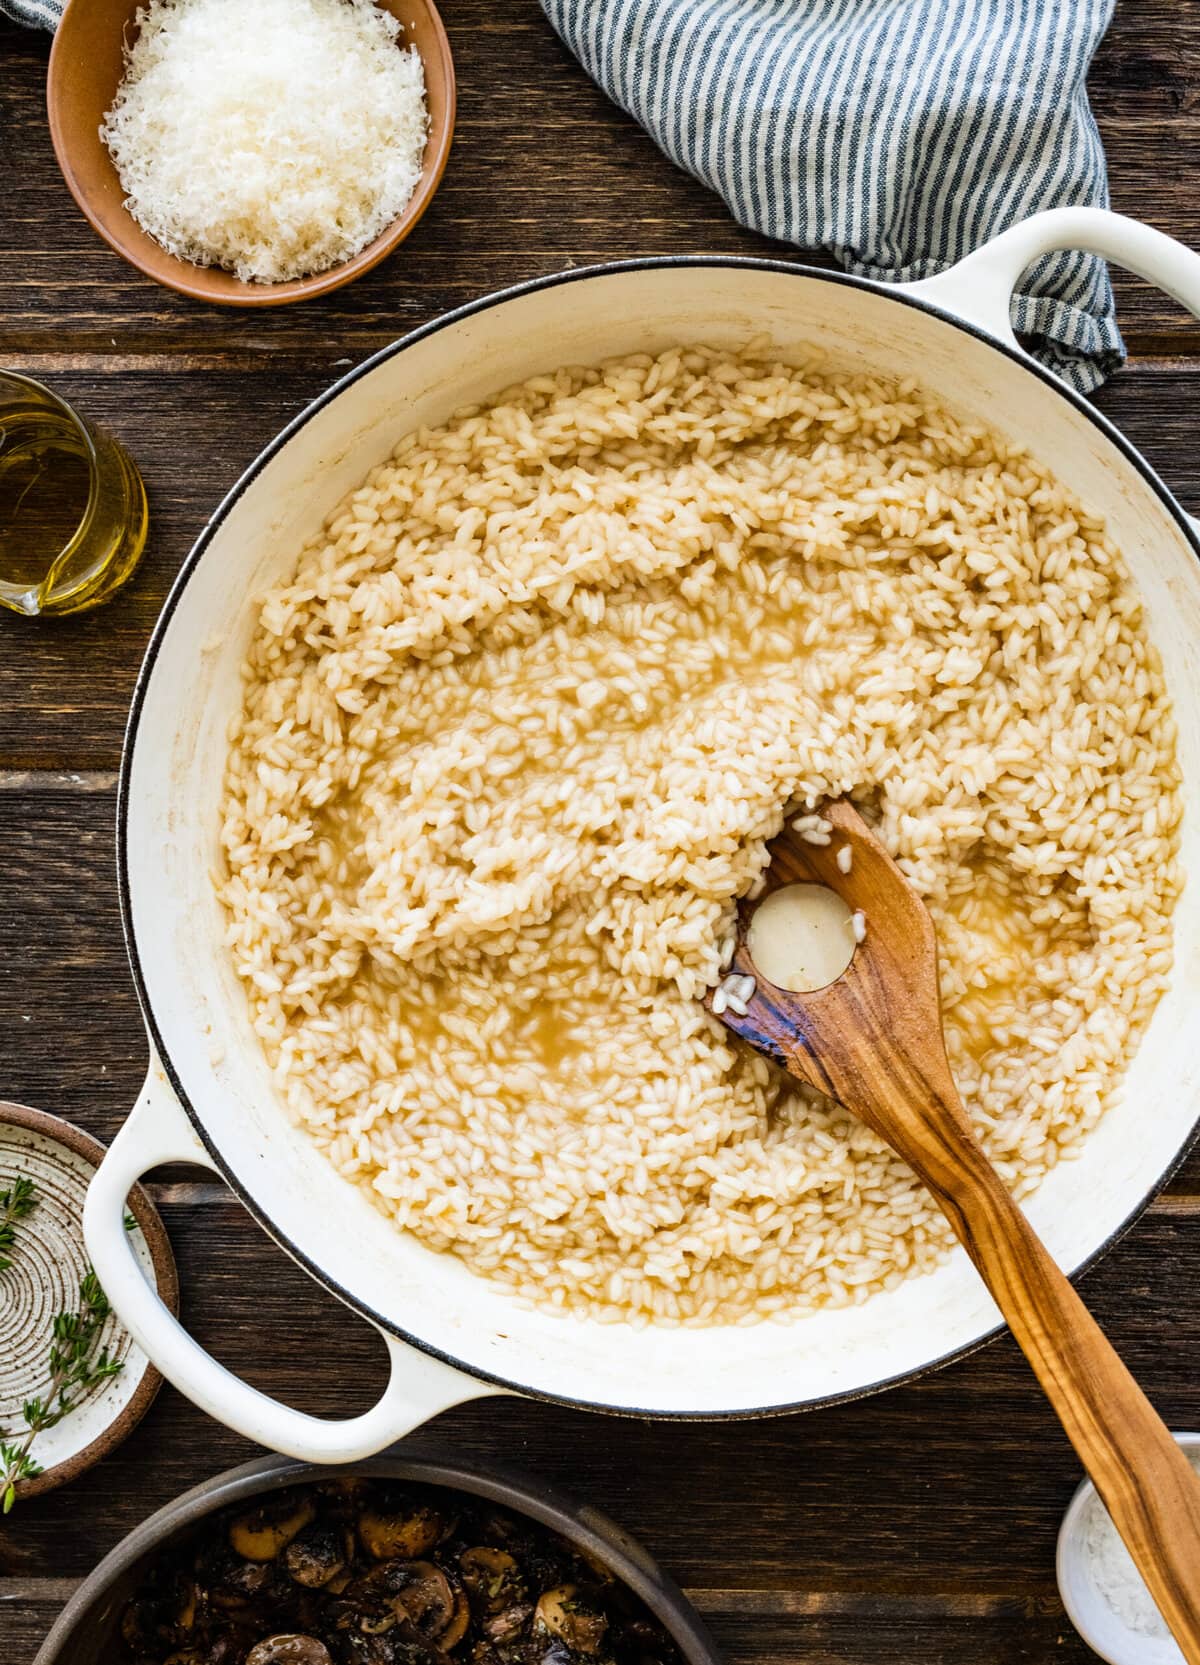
<point x="38" y="14"/>
<point x="897" y="135"/>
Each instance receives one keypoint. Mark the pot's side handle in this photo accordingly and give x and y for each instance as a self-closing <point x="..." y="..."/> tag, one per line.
<point x="419" y="1386"/>
<point x="979" y="289"/>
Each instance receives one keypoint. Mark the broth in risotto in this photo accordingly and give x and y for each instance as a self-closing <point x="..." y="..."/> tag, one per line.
<point x="516" y="734"/>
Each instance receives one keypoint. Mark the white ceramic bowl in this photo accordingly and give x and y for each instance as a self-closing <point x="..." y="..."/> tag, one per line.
<point x="1086" y="1607"/>
<point x="208" y="1097"/>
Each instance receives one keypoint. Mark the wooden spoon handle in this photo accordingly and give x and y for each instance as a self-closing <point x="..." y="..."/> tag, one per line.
<point x="872" y="1040"/>
<point x="1146" y="1481"/>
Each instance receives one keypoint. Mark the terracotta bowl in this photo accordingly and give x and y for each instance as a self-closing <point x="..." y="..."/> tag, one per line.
<point x="86" y="67"/>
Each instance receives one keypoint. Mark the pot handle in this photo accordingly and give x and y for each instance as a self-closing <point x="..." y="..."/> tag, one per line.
<point x="156" y="1131"/>
<point x="979" y="289"/>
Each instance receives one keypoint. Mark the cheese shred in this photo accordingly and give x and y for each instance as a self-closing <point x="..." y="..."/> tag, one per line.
<point x="276" y="138"/>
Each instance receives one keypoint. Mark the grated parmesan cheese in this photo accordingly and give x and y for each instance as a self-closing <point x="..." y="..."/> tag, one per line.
<point x="276" y="138"/>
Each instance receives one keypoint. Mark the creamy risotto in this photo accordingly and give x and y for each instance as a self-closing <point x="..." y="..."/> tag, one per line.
<point x="515" y="737"/>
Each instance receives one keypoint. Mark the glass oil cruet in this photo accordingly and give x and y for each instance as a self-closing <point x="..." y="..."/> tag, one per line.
<point x="73" y="514"/>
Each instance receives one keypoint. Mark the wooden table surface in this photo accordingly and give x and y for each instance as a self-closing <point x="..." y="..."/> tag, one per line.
<point x="919" y="1525"/>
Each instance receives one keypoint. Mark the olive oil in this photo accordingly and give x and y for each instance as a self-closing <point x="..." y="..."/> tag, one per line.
<point x="73" y="515"/>
<point x="45" y="482"/>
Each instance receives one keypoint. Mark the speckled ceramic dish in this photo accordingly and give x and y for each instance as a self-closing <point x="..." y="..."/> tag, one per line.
<point x="84" y="1631"/>
<point x="1088" y="1610"/>
<point x="47" y="1265"/>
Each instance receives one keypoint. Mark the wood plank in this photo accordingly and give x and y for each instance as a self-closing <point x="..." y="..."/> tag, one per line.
<point x="65" y="685"/>
<point x="1145" y="88"/>
<point x="546" y="172"/>
<point x="815" y="1628"/>
<point x="887" y="1636"/>
<point x="508" y="207"/>
<point x="918" y="1524"/>
<point x="955" y="1483"/>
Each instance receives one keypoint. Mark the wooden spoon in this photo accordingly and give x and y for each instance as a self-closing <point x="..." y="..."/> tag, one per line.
<point x="873" y="1041"/>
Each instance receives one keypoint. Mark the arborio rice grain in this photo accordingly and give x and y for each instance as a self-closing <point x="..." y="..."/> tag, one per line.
<point x="516" y="735"/>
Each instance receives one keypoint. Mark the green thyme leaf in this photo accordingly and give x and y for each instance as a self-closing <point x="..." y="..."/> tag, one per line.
<point x="16" y="1204"/>
<point x="75" y="1367"/>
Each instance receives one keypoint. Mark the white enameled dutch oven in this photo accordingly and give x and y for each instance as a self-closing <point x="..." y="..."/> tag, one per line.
<point x="208" y="1097"/>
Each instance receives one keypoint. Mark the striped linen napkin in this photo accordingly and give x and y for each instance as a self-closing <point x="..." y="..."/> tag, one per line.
<point x="897" y="135"/>
<point x="38" y="14"/>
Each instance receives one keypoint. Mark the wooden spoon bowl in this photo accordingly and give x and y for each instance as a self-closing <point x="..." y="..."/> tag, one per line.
<point x="873" y="1041"/>
<point x="86" y="66"/>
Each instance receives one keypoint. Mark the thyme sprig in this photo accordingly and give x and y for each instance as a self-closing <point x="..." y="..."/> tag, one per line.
<point x="16" y="1204"/>
<point x="74" y="1369"/>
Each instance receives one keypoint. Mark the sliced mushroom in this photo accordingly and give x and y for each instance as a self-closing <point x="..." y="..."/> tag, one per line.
<point x="460" y="1621"/>
<point x="150" y="1624"/>
<point x="408" y="1532"/>
<point x="562" y="1612"/>
<point x="230" y="1648"/>
<point x="291" y="1649"/>
<point x="378" y="1573"/>
<point x="505" y="1626"/>
<point x="138" y="1625"/>
<point x="378" y="1623"/>
<point x="429" y="1602"/>
<point x="341" y="1612"/>
<point x="601" y="1569"/>
<point x="221" y="1649"/>
<point x="429" y="1607"/>
<point x="500" y="1528"/>
<point x="492" y="1577"/>
<point x="260" y="1535"/>
<point x="243" y="1583"/>
<point x="185" y="1611"/>
<point x="393" y="1648"/>
<point x="251" y="1578"/>
<point x="315" y="1556"/>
